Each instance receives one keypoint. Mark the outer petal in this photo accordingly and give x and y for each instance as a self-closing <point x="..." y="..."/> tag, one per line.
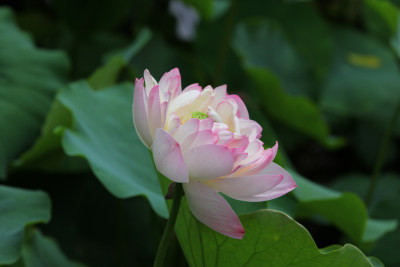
<point x="211" y="208"/>
<point x="286" y="185"/>
<point x="140" y="114"/>
<point x="219" y="95"/>
<point x="183" y="100"/>
<point x="168" y="157"/>
<point x="194" y="86"/>
<point x="248" y="186"/>
<point x="250" y="128"/>
<point x="173" y="123"/>
<point x="154" y="110"/>
<point x="170" y="83"/>
<point x="209" y="161"/>
<point x="258" y="165"/>
<point x="149" y="80"/>
<point x="227" y="111"/>
<point x="242" y="110"/>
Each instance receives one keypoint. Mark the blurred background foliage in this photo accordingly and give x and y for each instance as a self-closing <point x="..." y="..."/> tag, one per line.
<point x="321" y="77"/>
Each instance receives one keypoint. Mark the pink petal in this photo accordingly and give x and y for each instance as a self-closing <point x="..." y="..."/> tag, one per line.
<point x="255" y="151"/>
<point x="209" y="161"/>
<point x="254" y="167"/>
<point x="250" y="128"/>
<point x="286" y="185"/>
<point x="196" y="139"/>
<point x="248" y="186"/>
<point x="154" y="110"/>
<point x="225" y="137"/>
<point x="219" y="95"/>
<point x="211" y="208"/>
<point x="140" y="114"/>
<point x="189" y="127"/>
<point x="242" y="110"/>
<point x="168" y="157"/>
<point x="183" y="100"/>
<point x="206" y="124"/>
<point x="227" y="111"/>
<point x="164" y="107"/>
<point x="173" y="123"/>
<point x="149" y="81"/>
<point x="214" y="115"/>
<point x="219" y="127"/>
<point x="170" y="82"/>
<point x="241" y="143"/>
<point x="194" y="86"/>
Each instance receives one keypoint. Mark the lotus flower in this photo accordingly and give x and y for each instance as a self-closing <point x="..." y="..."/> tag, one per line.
<point x="204" y="139"/>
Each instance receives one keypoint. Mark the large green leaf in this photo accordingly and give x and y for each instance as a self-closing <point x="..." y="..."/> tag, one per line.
<point x="42" y="251"/>
<point x="29" y="78"/>
<point x="18" y="208"/>
<point x="271" y="239"/>
<point x="46" y="153"/>
<point x="104" y="134"/>
<point x="47" y="148"/>
<point x="385" y="204"/>
<point x="345" y="210"/>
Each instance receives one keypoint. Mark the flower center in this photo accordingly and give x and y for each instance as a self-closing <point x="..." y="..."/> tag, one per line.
<point x="199" y="115"/>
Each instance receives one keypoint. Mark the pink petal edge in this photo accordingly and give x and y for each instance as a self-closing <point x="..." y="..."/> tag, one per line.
<point x="209" y="161"/>
<point x="248" y="186"/>
<point x="168" y="157"/>
<point x="140" y="114"/>
<point x="285" y="186"/>
<point x="210" y="208"/>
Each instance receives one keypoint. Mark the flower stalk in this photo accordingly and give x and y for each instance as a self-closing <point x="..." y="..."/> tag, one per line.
<point x="169" y="229"/>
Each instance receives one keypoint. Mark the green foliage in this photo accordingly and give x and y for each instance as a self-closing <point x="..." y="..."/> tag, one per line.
<point x="29" y="78"/>
<point x="19" y="208"/>
<point x="321" y="77"/>
<point x="48" y="146"/>
<point x="386" y="203"/>
<point x="369" y="77"/>
<point x="100" y="117"/>
<point x="297" y="112"/>
<point x="345" y="210"/>
<point x="42" y="251"/>
<point x="256" y="41"/>
<point x="269" y="235"/>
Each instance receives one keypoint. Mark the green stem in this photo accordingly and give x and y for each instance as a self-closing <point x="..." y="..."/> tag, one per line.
<point x="381" y="155"/>
<point x="165" y="240"/>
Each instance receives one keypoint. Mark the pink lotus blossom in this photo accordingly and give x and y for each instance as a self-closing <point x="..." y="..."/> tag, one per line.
<point x="204" y="139"/>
